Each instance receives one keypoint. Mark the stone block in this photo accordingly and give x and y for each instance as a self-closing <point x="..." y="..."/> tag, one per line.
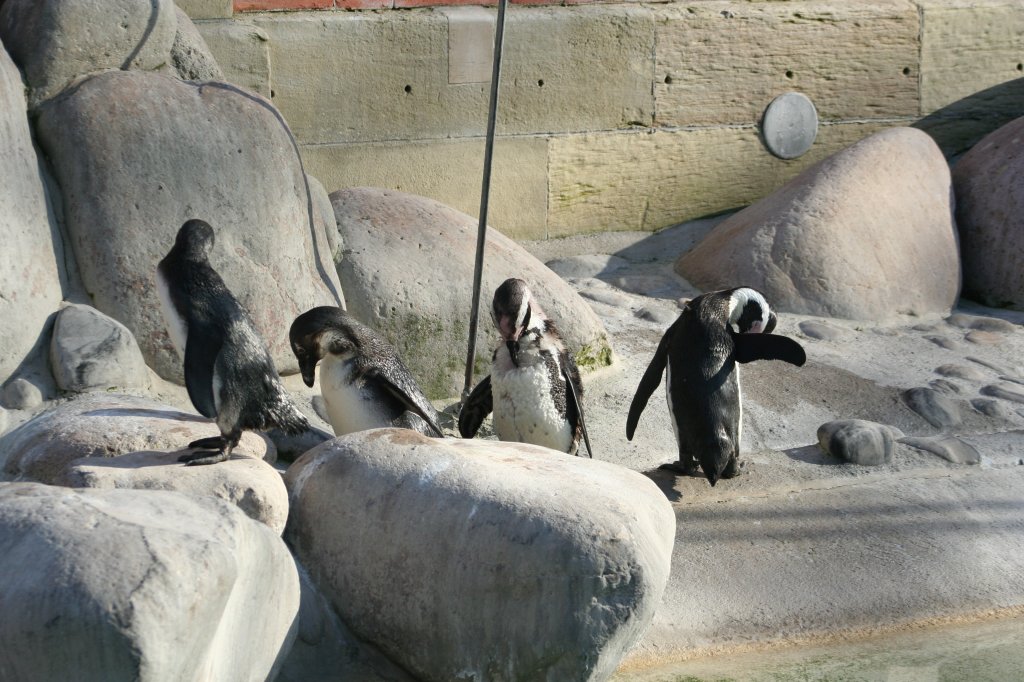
<point x="724" y="62"/>
<point x="449" y="171"/>
<point x="470" y="44"/>
<point x="206" y="9"/>
<point x="645" y="181"/>
<point x="353" y="77"/>
<point x="242" y="52"/>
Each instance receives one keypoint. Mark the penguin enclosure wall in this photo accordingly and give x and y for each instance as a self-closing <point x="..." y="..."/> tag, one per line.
<point x="612" y="116"/>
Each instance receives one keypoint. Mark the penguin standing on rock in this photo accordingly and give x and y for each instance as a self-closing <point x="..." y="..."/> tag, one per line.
<point x="534" y="388"/>
<point x="229" y="374"/>
<point x="698" y="354"/>
<point x="364" y="383"/>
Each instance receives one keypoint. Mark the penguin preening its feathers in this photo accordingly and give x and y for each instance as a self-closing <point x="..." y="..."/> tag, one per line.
<point x="364" y="383"/>
<point x="698" y="355"/>
<point x="534" y="388"/>
<point x="229" y="374"/>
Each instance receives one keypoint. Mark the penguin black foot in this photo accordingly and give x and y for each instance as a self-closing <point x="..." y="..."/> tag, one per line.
<point x="202" y="458"/>
<point x="733" y="468"/>
<point x="681" y="468"/>
<point x="211" y="443"/>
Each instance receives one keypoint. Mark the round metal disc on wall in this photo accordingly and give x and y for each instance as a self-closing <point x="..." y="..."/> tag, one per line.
<point x="790" y="125"/>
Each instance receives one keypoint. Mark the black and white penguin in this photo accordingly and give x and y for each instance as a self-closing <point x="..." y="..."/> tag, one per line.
<point x="364" y="383"/>
<point x="534" y="387"/>
<point x="229" y="374"/>
<point x="702" y="382"/>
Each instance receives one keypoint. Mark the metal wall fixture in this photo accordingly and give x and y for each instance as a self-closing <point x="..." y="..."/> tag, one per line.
<point x="789" y="125"/>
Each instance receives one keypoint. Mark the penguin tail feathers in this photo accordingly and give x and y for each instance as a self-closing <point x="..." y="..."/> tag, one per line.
<point x="287" y="417"/>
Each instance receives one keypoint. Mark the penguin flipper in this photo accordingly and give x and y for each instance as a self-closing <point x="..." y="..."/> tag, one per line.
<point x="201" y="350"/>
<point x="477" y="406"/>
<point x="648" y="382"/>
<point x="408" y="393"/>
<point x="751" y="347"/>
<point x="571" y="375"/>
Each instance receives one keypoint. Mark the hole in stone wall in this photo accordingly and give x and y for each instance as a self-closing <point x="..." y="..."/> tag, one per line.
<point x="906" y="70"/>
<point x="1020" y="67"/>
<point x="273" y="94"/>
<point x="540" y="83"/>
<point x="789" y="74"/>
<point x="408" y="89"/>
<point x="668" y="80"/>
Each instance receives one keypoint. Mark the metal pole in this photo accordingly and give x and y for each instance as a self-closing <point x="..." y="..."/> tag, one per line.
<point x="485" y="193"/>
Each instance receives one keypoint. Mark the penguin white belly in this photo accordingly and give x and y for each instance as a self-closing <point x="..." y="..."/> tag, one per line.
<point x="347" y="406"/>
<point x="523" y="408"/>
<point x="176" y="327"/>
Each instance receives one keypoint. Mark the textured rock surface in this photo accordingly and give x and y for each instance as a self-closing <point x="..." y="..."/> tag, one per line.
<point x="572" y="553"/>
<point x="937" y="409"/>
<point x="55" y="42"/>
<point x="136" y="154"/>
<point x="866" y="234"/>
<point x="139" y="585"/>
<point x="107" y="425"/>
<point x="190" y="56"/>
<point x="989" y="183"/>
<point x="29" y="280"/>
<point x="857" y="441"/>
<point x="949" y="448"/>
<point x="90" y="350"/>
<point x="242" y="52"/>
<point x="407" y="269"/>
<point x="252" y="485"/>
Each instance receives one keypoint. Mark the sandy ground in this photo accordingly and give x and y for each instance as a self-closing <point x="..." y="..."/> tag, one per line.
<point x="802" y="547"/>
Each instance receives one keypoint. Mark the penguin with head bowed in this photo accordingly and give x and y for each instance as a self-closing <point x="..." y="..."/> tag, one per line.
<point x="698" y="355"/>
<point x="534" y="387"/>
<point x="364" y="383"/>
<point x="229" y="374"/>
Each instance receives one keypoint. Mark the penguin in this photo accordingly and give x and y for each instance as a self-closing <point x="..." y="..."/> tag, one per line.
<point x="534" y="387"/>
<point x="698" y="354"/>
<point x="364" y="383"/>
<point x="229" y="374"/>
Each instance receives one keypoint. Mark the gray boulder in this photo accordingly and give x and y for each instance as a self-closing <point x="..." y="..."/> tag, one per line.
<point x="107" y="425"/>
<point x="936" y="408"/>
<point x="136" y="154"/>
<point x="250" y="484"/>
<point x="89" y="350"/>
<point x="190" y="56"/>
<point x="989" y="184"/>
<point x="857" y="441"/>
<point x="54" y="42"/>
<point x="949" y="448"/>
<point x="468" y="559"/>
<point x="865" y="234"/>
<point x="139" y="585"/>
<point x="407" y="268"/>
<point x="29" y="279"/>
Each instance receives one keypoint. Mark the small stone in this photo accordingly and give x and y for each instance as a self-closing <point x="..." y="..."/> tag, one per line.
<point x="658" y="315"/>
<point x="945" y="387"/>
<point x="943" y="342"/>
<point x="821" y="331"/>
<point x="925" y="327"/>
<point x="607" y="297"/>
<point x="22" y="394"/>
<point x="984" y="338"/>
<point x="1004" y="392"/>
<point x="90" y="350"/>
<point x="960" y="320"/>
<point x="576" y="267"/>
<point x="857" y="441"/>
<point x="999" y="369"/>
<point x="654" y="286"/>
<point x="992" y="408"/>
<point x="961" y="372"/>
<point x="935" y="408"/>
<point x="948" y="448"/>
<point x="994" y="324"/>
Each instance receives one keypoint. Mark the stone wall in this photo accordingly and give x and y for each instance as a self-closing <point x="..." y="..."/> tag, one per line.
<point x="612" y="116"/>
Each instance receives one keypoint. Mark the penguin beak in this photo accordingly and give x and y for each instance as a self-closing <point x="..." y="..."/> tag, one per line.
<point x="513" y="351"/>
<point x="308" y="369"/>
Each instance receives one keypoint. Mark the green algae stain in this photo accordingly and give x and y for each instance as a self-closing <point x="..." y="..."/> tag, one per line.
<point x="594" y="356"/>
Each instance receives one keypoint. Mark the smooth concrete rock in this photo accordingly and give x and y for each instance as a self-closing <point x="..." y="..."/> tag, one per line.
<point x="989" y="184"/>
<point x="419" y="542"/>
<point x="857" y="441"/>
<point x="574" y="267"/>
<point x="327" y="651"/>
<point x="136" y="154"/>
<point x="822" y="331"/>
<point x="934" y="407"/>
<point x="89" y="350"/>
<point x="252" y="485"/>
<point x="607" y="297"/>
<point x="991" y="407"/>
<point x="949" y="448"/>
<point x="965" y="372"/>
<point x="107" y="425"/>
<point x="1004" y="391"/>
<point x="29" y="279"/>
<point x="21" y="394"/>
<point x="984" y="338"/>
<point x="139" y="585"/>
<point x="660" y="316"/>
<point x="985" y="324"/>
<point x="945" y="387"/>
<point x="55" y="42"/>
<point x="866" y="234"/>
<point x="190" y="56"/>
<point x="408" y="273"/>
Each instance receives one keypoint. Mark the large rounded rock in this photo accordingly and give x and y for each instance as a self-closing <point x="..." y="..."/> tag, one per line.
<point x="55" y="42"/>
<point x="136" y="154"/>
<point x="466" y="559"/>
<point x="866" y="234"/>
<point x="989" y="184"/>
<point x="857" y="441"/>
<point x="89" y="350"/>
<point x="407" y="267"/>
<point x="191" y="58"/>
<point x="107" y="425"/>
<point x="29" y="280"/>
<point x="139" y="585"/>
